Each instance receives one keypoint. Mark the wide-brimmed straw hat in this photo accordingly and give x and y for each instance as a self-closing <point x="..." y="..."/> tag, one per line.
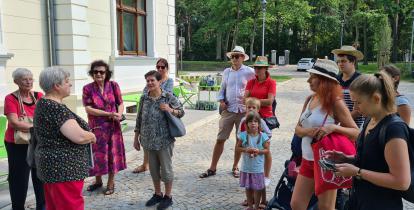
<point x="238" y="50"/>
<point x="261" y="61"/>
<point x="326" y="68"/>
<point x="349" y="50"/>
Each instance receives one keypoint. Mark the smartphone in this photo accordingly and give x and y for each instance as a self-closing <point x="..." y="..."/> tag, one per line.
<point x="327" y="165"/>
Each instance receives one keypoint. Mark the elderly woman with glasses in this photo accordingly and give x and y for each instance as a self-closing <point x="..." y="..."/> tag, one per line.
<point x="19" y="170"/>
<point x="103" y="103"/>
<point x="166" y="85"/>
<point x="62" y="153"/>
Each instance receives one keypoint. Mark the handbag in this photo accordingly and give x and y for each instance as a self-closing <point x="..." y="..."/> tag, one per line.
<point x="326" y="179"/>
<point x="31" y="149"/>
<point x="117" y="103"/>
<point x="21" y="137"/>
<point x="272" y="122"/>
<point x="175" y="125"/>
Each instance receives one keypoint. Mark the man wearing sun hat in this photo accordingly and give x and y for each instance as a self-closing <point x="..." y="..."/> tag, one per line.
<point x="347" y="58"/>
<point x="231" y="98"/>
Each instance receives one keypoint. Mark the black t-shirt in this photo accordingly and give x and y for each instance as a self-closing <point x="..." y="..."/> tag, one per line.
<point x="370" y="156"/>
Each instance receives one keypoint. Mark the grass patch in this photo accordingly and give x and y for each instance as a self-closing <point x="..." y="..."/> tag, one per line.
<point x="372" y="68"/>
<point x="281" y="78"/>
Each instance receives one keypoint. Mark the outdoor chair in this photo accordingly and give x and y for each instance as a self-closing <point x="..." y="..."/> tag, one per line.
<point x="182" y="92"/>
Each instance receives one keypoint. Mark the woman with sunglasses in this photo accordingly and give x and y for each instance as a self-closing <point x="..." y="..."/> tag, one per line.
<point x="166" y="84"/>
<point x="103" y="104"/>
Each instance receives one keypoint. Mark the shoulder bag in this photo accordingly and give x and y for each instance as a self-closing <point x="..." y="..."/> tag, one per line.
<point x="21" y="137"/>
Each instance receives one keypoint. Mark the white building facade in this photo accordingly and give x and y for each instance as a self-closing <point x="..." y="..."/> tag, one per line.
<point x="128" y="34"/>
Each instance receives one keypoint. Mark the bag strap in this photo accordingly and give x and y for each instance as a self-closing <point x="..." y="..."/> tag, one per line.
<point x="324" y="120"/>
<point x="20" y="100"/>
<point x="393" y="119"/>
<point x="115" y="94"/>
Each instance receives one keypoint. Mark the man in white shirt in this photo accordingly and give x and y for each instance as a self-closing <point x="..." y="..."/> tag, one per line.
<point x="231" y="97"/>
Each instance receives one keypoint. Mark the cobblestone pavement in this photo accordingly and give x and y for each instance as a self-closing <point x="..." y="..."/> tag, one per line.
<point x="192" y="155"/>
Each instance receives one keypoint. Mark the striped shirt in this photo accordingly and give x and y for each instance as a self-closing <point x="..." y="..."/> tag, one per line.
<point x="347" y="98"/>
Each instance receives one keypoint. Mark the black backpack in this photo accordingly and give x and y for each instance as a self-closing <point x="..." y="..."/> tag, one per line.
<point x="408" y="195"/>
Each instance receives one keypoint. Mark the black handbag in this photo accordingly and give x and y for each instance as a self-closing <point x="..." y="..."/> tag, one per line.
<point x="272" y="122"/>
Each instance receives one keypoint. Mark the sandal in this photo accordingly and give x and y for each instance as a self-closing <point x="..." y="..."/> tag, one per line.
<point x="94" y="187"/>
<point x="139" y="169"/>
<point x="208" y="173"/>
<point x="235" y="172"/>
<point x="244" y="203"/>
<point x="109" y="190"/>
<point x="262" y="206"/>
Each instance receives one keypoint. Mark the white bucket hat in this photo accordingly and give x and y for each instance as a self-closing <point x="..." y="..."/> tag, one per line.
<point x="326" y="68"/>
<point x="238" y="50"/>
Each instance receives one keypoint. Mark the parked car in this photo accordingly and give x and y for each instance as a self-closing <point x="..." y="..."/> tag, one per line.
<point x="305" y="64"/>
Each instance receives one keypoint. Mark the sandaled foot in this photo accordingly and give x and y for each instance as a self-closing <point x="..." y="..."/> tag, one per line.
<point x="94" y="187"/>
<point x="139" y="169"/>
<point x="208" y="173"/>
<point x="262" y="206"/>
<point x="109" y="190"/>
<point x="235" y="172"/>
<point x="244" y="203"/>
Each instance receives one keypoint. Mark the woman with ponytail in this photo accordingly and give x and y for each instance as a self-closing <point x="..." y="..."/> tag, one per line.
<point x="381" y="168"/>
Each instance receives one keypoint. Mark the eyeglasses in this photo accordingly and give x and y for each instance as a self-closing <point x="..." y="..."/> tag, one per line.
<point x="99" y="72"/>
<point x="160" y="67"/>
<point x="235" y="56"/>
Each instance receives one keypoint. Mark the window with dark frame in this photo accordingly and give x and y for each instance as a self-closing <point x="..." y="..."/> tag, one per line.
<point x="131" y="29"/>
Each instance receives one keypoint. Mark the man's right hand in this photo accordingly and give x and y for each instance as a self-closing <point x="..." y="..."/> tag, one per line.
<point x="137" y="144"/>
<point x="223" y="105"/>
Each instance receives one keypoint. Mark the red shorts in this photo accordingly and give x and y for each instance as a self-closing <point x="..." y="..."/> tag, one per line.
<point x="306" y="168"/>
<point x="64" y="195"/>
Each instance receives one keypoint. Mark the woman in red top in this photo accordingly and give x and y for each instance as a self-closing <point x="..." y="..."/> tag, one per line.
<point x="18" y="168"/>
<point x="263" y="87"/>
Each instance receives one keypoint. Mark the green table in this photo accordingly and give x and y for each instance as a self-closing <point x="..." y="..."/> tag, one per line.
<point x="209" y="89"/>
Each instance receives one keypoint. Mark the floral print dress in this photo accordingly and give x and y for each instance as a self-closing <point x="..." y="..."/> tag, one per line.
<point x="109" y="150"/>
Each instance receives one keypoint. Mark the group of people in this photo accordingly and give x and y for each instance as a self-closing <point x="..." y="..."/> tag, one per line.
<point x="69" y="149"/>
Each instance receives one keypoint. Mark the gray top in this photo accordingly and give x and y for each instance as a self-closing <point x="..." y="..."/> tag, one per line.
<point x="152" y="124"/>
<point x="167" y="86"/>
<point x="401" y="100"/>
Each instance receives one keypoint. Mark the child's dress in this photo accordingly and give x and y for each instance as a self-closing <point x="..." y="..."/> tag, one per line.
<point x="252" y="168"/>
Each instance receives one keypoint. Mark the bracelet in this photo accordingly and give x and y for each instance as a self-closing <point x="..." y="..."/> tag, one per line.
<point x="358" y="175"/>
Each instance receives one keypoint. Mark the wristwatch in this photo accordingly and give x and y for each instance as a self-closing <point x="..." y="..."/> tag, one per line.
<point x="358" y="175"/>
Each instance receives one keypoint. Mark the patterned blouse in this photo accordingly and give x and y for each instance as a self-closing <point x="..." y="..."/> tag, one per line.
<point x="152" y="124"/>
<point x="57" y="158"/>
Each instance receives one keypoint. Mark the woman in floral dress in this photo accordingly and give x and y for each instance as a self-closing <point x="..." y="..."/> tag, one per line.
<point x="103" y="103"/>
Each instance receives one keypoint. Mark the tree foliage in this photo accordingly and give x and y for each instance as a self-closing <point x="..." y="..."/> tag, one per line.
<point x="308" y="28"/>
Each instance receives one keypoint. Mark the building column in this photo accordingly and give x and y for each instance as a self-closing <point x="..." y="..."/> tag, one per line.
<point x="72" y="32"/>
<point x="4" y="56"/>
<point x="172" y="38"/>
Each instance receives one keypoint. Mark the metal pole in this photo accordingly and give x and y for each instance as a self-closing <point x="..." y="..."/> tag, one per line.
<point x="411" y="51"/>
<point x="263" y="25"/>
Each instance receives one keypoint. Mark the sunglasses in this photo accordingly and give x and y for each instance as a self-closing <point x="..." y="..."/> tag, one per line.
<point x="236" y="56"/>
<point x="160" y="67"/>
<point x="99" y="72"/>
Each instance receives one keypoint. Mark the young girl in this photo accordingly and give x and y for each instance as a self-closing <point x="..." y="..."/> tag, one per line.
<point x="253" y="144"/>
<point x="381" y="167"/>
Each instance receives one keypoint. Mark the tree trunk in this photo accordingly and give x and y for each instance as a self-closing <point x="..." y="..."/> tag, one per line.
<point x="226" y="45"/>
<point x="395" y="36"/>
<point x="189" y="32"/>
<point x="252" y="37"/>
<point x="236" y="27"/>
<point x="218" y="45"/>
<point x="365" y="42"/>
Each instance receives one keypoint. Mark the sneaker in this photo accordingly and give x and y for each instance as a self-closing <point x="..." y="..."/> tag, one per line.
<point x="267" y="181"/>
<point x="154" y="200"/>
<point x="165" y="203"/>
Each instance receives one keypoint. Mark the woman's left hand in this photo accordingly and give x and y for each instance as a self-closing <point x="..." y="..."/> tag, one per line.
<point x="166" y="107"/>
<point x="325" y="130"/>
<point x="346" y="169"/>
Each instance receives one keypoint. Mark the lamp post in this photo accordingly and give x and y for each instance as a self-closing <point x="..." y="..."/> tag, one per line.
<point x="342" y="31"/>
<point x="263" y="25"/>
<point x="411" y="51"/>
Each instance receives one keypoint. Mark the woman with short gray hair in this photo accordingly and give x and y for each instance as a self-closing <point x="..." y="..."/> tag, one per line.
<point x="65" y="133"/>
<point x="17" y="105"/>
